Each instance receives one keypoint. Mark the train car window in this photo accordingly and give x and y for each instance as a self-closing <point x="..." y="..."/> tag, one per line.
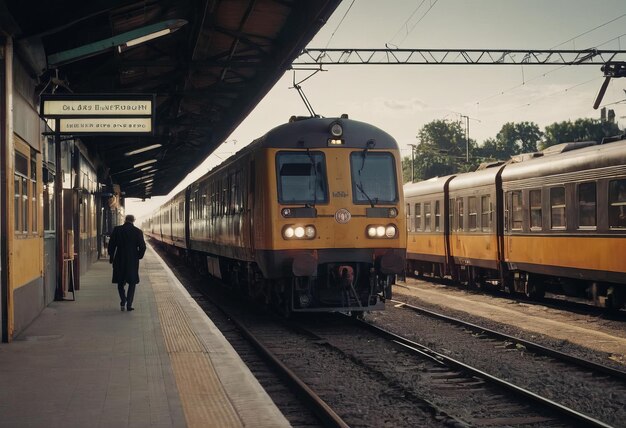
<point x="373" y="178"/>
<point x="427" y="216"/>
<point x="486" y="213"/>
<point x="437" y="216"/>
<point x="516" y="210"/>
<point x="587" y="204"/>
<point x="536" y="219"/>
<point x="472" y="206"/>
<point x="617" y="204"/>
<point x="301" y="177"/>
<point x="460" y="213"/>
<point x="451" y="208"/>
<point x="557" y="208"/>
<point x="418" y="217"/>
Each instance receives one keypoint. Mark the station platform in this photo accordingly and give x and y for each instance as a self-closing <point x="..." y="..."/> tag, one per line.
<point x="85" y="363"/>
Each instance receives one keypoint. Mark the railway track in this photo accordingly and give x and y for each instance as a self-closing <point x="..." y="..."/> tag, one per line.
<point x="536" y="348"/>
<point x="369" y="379"/>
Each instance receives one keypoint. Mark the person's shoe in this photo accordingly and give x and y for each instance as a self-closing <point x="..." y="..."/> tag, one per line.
<point x="130" y="309"/>
<point x="122" y="308"/>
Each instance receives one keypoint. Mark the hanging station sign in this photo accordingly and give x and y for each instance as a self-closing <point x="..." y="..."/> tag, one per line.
<point x="95" y="114"/>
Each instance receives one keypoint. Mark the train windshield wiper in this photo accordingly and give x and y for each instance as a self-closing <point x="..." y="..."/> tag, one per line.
<point x="312" y="159"/>
<point x="359" y="185"/>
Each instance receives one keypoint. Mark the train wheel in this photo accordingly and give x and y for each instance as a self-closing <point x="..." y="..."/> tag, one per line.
<point x="473" y="279"/>
<point x="615" y="298"/>
<point x="359" y="315"/>
<point x="534" y="288"/>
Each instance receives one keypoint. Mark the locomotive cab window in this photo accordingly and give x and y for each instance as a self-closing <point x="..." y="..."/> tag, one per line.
<point x="617" y="204"/>
<point x="587" y="217"/>
<point x="301" y="178"/>
<point x="373" y="178"/>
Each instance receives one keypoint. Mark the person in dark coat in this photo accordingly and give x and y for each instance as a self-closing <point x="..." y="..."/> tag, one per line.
<point x="126" y="247"/>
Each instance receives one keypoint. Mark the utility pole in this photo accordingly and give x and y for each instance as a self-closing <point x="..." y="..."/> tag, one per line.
<point x="413" y="146"/>
<point x="466" y="137"/>
<point x="467" y="134"/>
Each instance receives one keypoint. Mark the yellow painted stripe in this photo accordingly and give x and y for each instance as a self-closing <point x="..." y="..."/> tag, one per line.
<point x="607" y="254"/>
<point x="202" y="395"/>
<point x="426" y="243"/>
<point x="474" y="246"/>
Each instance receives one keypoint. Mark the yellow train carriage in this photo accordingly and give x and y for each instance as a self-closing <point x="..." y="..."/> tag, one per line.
<point x="565" y="221"/>
<point x="473" y="239"/>
<point x="427" y="225"/>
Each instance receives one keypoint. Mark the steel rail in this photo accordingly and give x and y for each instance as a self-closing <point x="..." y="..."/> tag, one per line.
<point x="535" y="347"/>
<point x="417" y="348"/>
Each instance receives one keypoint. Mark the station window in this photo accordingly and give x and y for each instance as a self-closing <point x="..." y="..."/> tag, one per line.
<point x="587" y="212"/>
<point x="427" y="216"/>
<point x="418" y="217"/>
<point x="485" y="213"/>
<point x="617" y="204"/>
<point x="557" y="208"/>
<point x="33" y="191"/>
<point x="48" y="204"/>
<point x="21" y="193"/>
<point x="536" y="219"/>
<point x="437" y="216"/>
<point x="472" y="206"/>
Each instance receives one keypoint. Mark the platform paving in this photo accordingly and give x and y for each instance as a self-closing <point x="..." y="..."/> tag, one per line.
<point x="85" y="363"/>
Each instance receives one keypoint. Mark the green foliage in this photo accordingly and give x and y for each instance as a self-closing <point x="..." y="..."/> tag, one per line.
<point x="580" y="130"/>
<point x="442" y="147"/>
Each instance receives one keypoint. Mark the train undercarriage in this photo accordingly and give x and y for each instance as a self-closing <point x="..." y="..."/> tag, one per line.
<point x="609" y="295"/>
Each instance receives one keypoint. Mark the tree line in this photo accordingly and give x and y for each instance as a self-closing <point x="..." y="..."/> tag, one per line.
<point x="442" y="148"/>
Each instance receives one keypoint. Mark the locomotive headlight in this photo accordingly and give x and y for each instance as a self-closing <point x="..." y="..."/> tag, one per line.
<point x="336" y="130"/>
<point x="391" y="231"/>
<point x="286" y="212"/>
<point x="393" y="212"/>
<point x="379" y="231"/>
<point x="309" y="231"/>
<point x="288" y="232"/>
<point x="299" y="231"/>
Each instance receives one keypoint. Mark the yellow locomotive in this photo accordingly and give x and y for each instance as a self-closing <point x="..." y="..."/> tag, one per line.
<point x="553" y="220"/>
<point x="308" y="217"/>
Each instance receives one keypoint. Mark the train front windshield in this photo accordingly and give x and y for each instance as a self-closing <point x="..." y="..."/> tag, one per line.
<point x="301" y="177"/>
<point x="373" y="177"/>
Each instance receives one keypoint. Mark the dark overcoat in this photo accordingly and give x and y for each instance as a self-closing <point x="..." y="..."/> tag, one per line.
<point x="126" y="248"/>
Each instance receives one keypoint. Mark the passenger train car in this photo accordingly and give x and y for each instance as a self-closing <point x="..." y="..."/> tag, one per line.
<point x="553" y="220"/>
<point x="309" y="217"/>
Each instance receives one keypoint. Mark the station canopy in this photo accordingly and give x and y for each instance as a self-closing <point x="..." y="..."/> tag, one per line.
<point x="209" y="62"/>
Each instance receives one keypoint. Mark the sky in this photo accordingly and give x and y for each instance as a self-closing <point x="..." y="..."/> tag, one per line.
<point x="401" y="99"/>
